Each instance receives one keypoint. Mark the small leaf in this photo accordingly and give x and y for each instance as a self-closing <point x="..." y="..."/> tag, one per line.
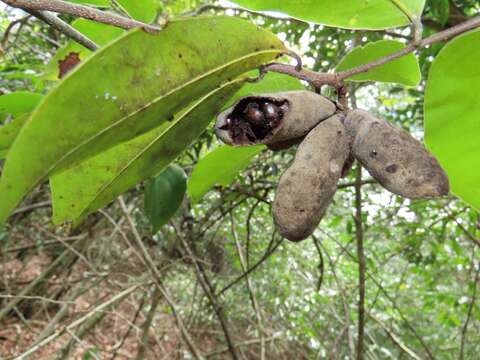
<point x="404" y="70"/>
<point x="9" y="132"/>
<point x="126" y="89"/>
<point x="452" y="114"/>
<point x="221" y="166"/>
<point x="164" y="195"/>
<point x="18" y="103"/>
<point x="441" y="10"/>
<point x="144" y="10"/>
<point x="349" y="14"/>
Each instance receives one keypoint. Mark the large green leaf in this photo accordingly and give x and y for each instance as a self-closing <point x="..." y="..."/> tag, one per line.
<point x="18" y="103"/>
<point x="349" y="14"/>
<point x="404" y="70"/>
<point x="144" y="10"/>
<point x="221" y="166"/>
<point x="126" y="89"/>
<point x="164" y="194"/>
<point x="9" y="132"/>
<point x="94" y="183"/>
<point x="452" y="114"/>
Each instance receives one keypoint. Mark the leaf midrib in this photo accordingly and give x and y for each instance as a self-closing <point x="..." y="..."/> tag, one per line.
<point x="125" y="118"/>
<point x="153" y="142"/>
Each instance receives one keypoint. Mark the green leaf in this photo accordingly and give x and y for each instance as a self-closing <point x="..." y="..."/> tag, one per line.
<point x="164" y="195"/>
<point x="452" y="114"/>
<point x="95" y="182"/>
<point x="126" y="89"/>
<point x="349" y="14"/>
<point x="99" y="33"/>
<point x="404" y="70"/>
<point x="441" y="10"/>
<point x="92" y="184"/>
<point x="271" y="82"/>
<point x="9" y="132"/>
<point x="221" y="166"/>
<point x="18" y="103"/>
<point x="144" y="10"/>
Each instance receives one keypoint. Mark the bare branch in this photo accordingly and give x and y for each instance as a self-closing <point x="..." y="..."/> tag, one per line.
<point x="470" y="308"/>
<point x="361" y="263"/>
<point x="82" y="11"/>
<point x="318" y="79"/>
<point x="64" y="28"/>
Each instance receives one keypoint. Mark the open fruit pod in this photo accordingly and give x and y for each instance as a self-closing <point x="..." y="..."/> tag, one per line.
<point x="278" y="120"/>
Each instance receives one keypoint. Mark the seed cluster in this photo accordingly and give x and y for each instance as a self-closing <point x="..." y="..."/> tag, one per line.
<point x="329" y="140"/>
<point x="254" y="119"/>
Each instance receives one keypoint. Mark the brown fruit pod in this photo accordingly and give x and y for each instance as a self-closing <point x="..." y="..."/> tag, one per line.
<point x="307" y="187"/>
<point x="399" y="162"/>
<point x="278" y="120"/>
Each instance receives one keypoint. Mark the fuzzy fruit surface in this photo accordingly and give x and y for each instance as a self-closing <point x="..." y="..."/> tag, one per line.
<point x="399" y="162"/>
<point x="278" y="120"/>
<point x="307" y="187"/>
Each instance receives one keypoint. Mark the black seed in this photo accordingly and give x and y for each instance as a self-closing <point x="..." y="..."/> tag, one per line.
<point x="270" y="111"/>
<point x="391" y="168"/>
<point x="254" y="115"/>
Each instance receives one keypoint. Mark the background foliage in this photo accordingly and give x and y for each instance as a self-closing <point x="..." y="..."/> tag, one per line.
<point x="171" y="282"/>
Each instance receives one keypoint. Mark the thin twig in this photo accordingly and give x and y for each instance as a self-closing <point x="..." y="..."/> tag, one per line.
<point x="395" y="340"/>
<point x="10" y="27"/>
<point x="79" y="321"/>
<point x="156" y="296"/>
<point x="64" y="28"/>
<point x="148" y="261"/>
<point x="253" y="299"/>
<point x="361" y="263"/>
<point x="469" y="314"/>
<point x="82" y="11"/>
<point x="212" y="297"/>
<point x="318" y="79"/>
<point x="270" y="250"/>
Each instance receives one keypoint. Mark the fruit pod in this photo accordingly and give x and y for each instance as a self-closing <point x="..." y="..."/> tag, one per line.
<point x="400" y="163"/>
<point x="278" y="120"/>
<point x="307" y="187"/>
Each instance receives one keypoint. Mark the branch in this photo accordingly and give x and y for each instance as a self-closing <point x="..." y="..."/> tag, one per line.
<point x="82" y="11"/>
<point x="318" y="79"/>
<point x="212" y="297"/>
<point x="148" y="261"/>
<point x="64" y="28"/>
<point x="395" y="340"/>
<point x="469" y="314"/>
<point x="361" y="263"/>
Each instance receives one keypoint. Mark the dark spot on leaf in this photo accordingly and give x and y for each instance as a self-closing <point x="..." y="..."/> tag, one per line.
<point x="180" y="55"/>
<point x="68" y="64"/>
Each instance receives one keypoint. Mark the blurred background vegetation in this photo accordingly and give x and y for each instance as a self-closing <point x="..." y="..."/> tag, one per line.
<point x="300" y="300"/>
